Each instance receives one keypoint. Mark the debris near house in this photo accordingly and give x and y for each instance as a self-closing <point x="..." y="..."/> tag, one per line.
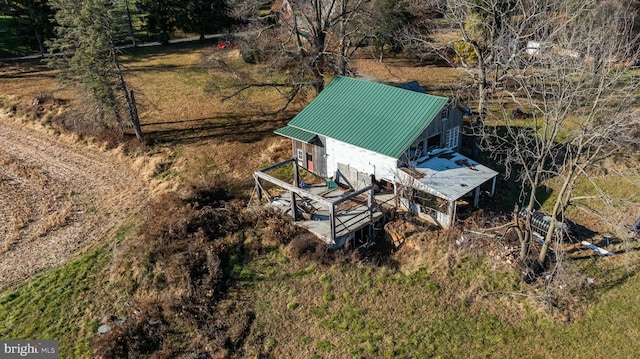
<point x="519" y="114"/>
<point x="540" y="224"/>
<point x="399" y="231"/>
<point x="417" y="245"/>
<point x="411" y="171"/>
<point x="601" y="251"/>
<point x="500" y="250"/>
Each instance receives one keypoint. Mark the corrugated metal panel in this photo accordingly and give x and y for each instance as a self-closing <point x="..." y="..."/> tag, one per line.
<point x="451" y="175"/>
<point x="378" y="117"/>
<point x="296" y="134"/>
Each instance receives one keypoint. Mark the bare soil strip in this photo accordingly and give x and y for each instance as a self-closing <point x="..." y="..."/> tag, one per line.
<point x="57" y="198"/>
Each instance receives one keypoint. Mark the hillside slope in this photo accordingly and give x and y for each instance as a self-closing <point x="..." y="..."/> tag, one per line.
<point x="57" y="198"/>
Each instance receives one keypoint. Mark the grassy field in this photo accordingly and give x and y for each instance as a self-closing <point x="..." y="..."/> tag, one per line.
<point x="62" y="303"/>
<point x="280" y="299"/>
<point x="469" y="310"/>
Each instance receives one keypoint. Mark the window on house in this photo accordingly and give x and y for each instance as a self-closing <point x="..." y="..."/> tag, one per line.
<point x="444" y="114"/>
<point x="453" y="137"/>
<point x="300" y="155"/>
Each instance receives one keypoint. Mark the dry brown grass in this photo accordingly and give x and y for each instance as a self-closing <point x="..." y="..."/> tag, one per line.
<point x="24" y="81"/>
<point x="55" y="217"/>
<point x="432" y="78"/>
<point x="58" y="197"/>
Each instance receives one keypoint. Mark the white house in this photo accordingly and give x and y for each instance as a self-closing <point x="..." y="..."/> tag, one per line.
<point x="354" y="129"/>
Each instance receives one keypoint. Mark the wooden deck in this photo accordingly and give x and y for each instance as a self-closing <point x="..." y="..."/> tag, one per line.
<point x="332" y="214"/>
<point x="350" y="216"/>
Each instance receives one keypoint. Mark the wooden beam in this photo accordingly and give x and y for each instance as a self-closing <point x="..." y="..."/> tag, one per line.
<point x="476" y="197"/>
<point x="370" y="202"/>
<point x="332" y="222"/>
<point x="277" y="165"/>
<point x="351" y="195"/>
<point x="296" y="173"/>
<point x="258" y="189"/>
<point x="294" y="210"/>
<point x="452" y="213"/>
<point x="263" y="192"/>
<point x="299" y="191"/>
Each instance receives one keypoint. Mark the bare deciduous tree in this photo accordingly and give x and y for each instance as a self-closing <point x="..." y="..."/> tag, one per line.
<point x="582" y="100"/>
<point x="299" y="43"/>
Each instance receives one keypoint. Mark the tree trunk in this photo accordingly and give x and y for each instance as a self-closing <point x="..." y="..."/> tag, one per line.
<point x="483" y="91"/>
<point x="129" y="97"/>
<point x="40" y="45"/>
<point x="523" y="236"/>
<point x="202" y="26"/>
<point x="134" y="116"/>
<point x="133" y="38"/>
<point x="560" y="199"/>
<point x="37" y="34"/>
<point x="342" y="57"/>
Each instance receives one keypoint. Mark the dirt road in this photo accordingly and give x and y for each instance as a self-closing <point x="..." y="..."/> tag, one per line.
<point x="57" y="198"/>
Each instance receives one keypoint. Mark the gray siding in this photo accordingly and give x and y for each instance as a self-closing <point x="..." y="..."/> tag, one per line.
<point x="440" y="126"/>
<point x="316" y="151"/>
<point x="446" y="120"/>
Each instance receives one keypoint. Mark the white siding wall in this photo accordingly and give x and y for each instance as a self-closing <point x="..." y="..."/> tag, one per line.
<point x="383" y="167"/>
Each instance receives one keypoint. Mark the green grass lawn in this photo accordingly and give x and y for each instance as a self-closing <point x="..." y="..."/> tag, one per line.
<point x="358" y="311"/>
<point x="348" y="310"/>
<point x="62" y="304"/>
<point x="56" y="305"/>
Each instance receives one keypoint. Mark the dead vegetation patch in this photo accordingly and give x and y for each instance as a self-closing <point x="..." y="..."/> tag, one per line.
<point x="188" y="254"/>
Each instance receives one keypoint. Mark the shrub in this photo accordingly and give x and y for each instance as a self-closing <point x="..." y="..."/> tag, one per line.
<point x="249" y="55"/>
<point x="464" y="52"/>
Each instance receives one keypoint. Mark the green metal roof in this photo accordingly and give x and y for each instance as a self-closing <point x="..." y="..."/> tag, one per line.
<point x="296" y="133"/>
<point x="371" y="115"/>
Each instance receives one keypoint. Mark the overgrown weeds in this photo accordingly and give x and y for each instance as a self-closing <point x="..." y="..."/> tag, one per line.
<point x="179" y="272"/>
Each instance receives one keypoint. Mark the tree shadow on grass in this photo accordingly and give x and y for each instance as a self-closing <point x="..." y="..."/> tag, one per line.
<point x="148" y="53"/>
<point x="233" y="127"/>
<point x="132" y="69"/>
<point x="26" y="70"/>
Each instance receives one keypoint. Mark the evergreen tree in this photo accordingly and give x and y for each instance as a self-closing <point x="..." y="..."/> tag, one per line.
<point x="85" y="52"/>
<point x="393" y="18"/>
<point x="163" y="17"/>
<point x="204" y="17"/>
<point x="31" y="20"/>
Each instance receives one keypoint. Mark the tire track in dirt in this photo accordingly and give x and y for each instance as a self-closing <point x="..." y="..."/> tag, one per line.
<point x="57" y="199"/>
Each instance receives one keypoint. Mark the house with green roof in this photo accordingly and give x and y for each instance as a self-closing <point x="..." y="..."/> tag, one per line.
<point x="357" y="128"/>
<point x="356" y="131"/>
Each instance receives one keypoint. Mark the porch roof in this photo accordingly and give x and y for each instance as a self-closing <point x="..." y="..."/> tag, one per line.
<point x="296" y="134"/>
<point x="449" y="174"/>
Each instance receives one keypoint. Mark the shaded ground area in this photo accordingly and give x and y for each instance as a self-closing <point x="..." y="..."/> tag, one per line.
<point x="56" y="198"/>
